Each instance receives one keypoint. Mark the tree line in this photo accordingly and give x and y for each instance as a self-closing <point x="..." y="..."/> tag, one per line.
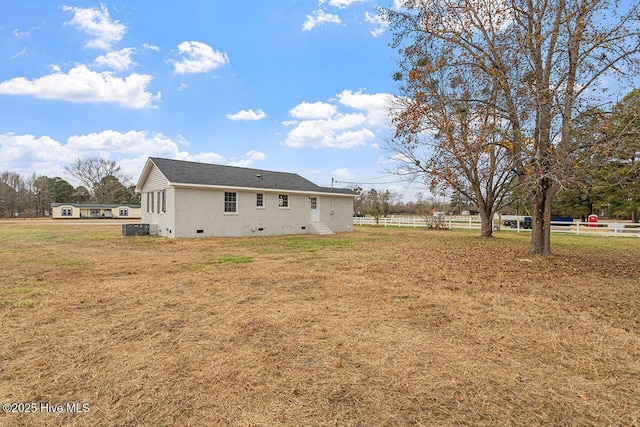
<point x="381" y="204"/>
<point x="102" y="181"/>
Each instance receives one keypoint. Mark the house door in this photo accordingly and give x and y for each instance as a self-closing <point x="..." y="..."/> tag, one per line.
<point x="315" y="212"/>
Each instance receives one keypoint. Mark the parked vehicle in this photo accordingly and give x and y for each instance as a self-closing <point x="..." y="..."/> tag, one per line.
<point x="563" y="221"/>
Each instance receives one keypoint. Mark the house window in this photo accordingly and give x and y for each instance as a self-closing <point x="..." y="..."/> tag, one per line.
<point x="123" y="212"/>
<point x="159" y="202"/>
<point x="283" y="200"/>
<point x="150" y="202"/>
<point x="260" y="200"/>
<point x="230" y="202"/>
<point x="67" y="212"/>
<point x="163" y="193"/>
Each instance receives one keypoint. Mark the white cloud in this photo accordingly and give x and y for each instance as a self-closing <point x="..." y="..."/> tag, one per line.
<point x="28" y="154"/>
<point x="98" y="24"/>
<point x="209" y="157"/>
<point x="132" y="142"/>
<point x="247" y="159"/>
<point x="375" y="105"/>
<point x="20" y="54"/>
<point x="394" y="159"/>
<point x="247" y="115"/>
<point x="378" y="22"/>
<point x="322" y="124"/>
<point x="151" y="47"/>
<point x="256" y="155"/>
<point x="354" y="138"/>
<point x="45" y="156"/>
<point x="314" y="110"/>
<point x="21" y="34"/>
<point x="342" y="173"/>
<point x="320" y="17"/>
<point x="84" y="85"/>
<point x="119" y="60"/>
<point x="340" y="4"/>
<point x="325" y="133"/>
<point x="198" y="57"/>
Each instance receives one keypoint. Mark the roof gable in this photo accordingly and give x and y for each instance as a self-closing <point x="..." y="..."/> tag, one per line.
<point x="179" y="172"/>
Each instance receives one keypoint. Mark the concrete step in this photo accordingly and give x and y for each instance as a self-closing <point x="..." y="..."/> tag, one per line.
<point x="320" y="228"/>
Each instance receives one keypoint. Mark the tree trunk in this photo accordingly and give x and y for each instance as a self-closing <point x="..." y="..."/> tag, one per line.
<point x="541" y="219"/>
<point x="486" y="221"/>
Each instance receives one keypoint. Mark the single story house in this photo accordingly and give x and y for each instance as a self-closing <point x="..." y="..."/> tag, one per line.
<point x="94" y="210"/>
<point x="189" y="199"/>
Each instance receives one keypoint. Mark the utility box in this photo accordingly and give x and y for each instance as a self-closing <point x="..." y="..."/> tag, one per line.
<point x="135" y="229"/>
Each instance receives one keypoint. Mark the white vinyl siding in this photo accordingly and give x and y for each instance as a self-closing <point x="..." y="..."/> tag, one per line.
<point x="155" y="181"/>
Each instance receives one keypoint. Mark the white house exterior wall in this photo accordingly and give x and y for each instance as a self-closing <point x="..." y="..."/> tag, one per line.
<point x="80" y="211"/>
<point x="56" y="211"/>
<point x="200" y="213"/>
<point x="336" y="212"/>
<point x="164" y="222"/>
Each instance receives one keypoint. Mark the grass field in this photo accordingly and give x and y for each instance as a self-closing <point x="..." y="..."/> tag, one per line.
<point x="379" y="327"/>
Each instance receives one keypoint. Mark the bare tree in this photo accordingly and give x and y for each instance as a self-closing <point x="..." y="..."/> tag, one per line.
<point x="92" y="171"/>
<point x="450" y="137"/>
<point x="41" y="188"/>
<point x="110" y="190"/>
<point x="545" y="61"/>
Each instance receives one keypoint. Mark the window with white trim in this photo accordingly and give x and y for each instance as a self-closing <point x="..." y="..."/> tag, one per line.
<point x="67" y="212"/>
<point x="230" y="202"/>
<point x="123" y="212"/>
<point x="283" y="200"/>
<point x="260" y="200"/>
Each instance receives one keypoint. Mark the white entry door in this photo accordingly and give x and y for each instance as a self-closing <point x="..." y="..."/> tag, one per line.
<point x="315" y="212"/>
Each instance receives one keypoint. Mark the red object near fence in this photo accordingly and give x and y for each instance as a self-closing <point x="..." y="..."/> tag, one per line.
<point x="592" y="220"/>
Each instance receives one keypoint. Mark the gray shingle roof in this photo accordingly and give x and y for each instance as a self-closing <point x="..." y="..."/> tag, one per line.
<point x="183" y="172"/>
<point x="95" y="205"/>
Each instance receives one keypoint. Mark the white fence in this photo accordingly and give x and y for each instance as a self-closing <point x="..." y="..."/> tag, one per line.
<point x="603" y="229"/>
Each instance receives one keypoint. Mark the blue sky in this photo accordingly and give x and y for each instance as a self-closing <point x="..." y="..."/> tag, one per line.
<point x="287" y="85"/>
<point x="290" y="85"/>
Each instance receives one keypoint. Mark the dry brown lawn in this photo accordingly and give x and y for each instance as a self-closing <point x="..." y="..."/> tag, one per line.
<point x="379" y="327"/>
